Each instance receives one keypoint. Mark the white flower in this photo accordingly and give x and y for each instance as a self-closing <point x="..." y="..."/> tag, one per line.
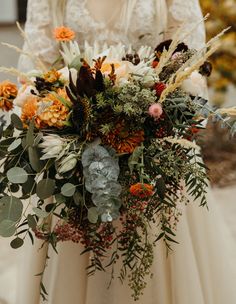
<point x="70" y="52"/>
<point x="124" y="70"/>
<point x="195" y="85"/>
<point x="24" y="93"/>
<point x="52" y="146"/>
<point x="65" y="72"/>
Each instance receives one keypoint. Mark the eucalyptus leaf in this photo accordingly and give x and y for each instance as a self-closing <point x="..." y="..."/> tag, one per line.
<point x="17" y="243"/>
<point x="14" y="188"/>
<point x="29" y="186"/>
<point x="7" y="228"/>
<point x="93" y="215"/>
<point x="45" y="188"/>
<point x="78" y="198"/>
<point x="31" y="221"/>
<point x="5" y="143"/>
<point x="14" y="145"/>
<point x="34" y="159"/>
<point x="68" y="189"/>
<point x="30" y="134"/>
<point x="16" y="121"/>
<point x="50" y="207"/>
<point x="40" y="213"/>
<point x="17" y="175"/>
<point x="38" y="139"/>
<point x="10" y="208"/>
<point x="60" y="199"/>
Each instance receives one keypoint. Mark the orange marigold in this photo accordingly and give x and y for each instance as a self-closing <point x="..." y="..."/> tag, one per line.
<point x="8" y="89"/>
<point x="122" y="140"/>
<point x="63" y="33"/>
<point x="141" y="190"/>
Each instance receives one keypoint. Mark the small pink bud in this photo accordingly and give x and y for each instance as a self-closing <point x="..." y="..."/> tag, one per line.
<point x="155" y="110"/>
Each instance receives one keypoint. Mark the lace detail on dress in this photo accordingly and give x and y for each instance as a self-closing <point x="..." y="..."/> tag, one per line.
<point x="145" y="25"/>
<point x="189" y="12"/>
<point x="38" y="29"/>
<point x="141" y="26"/>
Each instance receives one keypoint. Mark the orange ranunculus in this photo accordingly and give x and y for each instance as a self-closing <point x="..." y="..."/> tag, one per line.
<point x="63" y="33"/>
<point x="141" y="190"/>
<point x="8" y="89"/>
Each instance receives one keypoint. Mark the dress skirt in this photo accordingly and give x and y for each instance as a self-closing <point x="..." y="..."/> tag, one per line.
<point x="200" y="270"/>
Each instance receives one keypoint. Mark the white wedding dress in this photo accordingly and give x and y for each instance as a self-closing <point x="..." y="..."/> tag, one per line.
<point x="201" y="269"/>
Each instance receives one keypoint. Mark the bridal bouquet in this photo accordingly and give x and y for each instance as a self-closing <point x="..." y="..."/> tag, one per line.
<point x="105" y="143"/>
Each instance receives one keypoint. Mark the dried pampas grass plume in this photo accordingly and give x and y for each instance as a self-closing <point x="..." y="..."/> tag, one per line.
<point x="31" y="54"/>
<point x="191" y="65"/>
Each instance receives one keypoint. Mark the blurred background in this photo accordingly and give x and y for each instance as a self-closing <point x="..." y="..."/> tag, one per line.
<point x="219" y="151"/>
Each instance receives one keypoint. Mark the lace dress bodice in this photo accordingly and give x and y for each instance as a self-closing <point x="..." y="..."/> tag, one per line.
<point x="150" y="22"/>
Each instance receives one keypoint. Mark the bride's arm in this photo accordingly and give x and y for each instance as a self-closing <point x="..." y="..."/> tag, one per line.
<point x="188" y="12"/>
<point x="38" y="29"/>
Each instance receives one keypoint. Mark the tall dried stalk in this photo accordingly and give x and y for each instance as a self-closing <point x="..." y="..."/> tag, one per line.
<point x="193" y="64"/>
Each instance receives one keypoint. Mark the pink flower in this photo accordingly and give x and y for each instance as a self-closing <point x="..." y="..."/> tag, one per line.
<point x="155" y="110"/>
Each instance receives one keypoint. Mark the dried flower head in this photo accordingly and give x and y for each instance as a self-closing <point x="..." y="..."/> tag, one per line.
<point x="63" y="33"/>
<point x="141" y="190"/>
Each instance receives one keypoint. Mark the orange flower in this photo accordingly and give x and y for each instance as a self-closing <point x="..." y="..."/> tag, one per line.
<point x="56" y="114"/>
<point x="6" y="104"/>
<point x="52" y="76"/>
<point x="29" y="109"/>
<point x="63" y="33"/>
<point x="8" y="89"/>
<point x="141" y="190"/>
<point x="122" y="140"/>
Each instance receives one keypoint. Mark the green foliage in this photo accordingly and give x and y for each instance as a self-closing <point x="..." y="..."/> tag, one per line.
<point x="17" y="175"/>
<point x="68" y="189"/>
<point x="93" y="215"/>
<point x="45" y="188"/>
